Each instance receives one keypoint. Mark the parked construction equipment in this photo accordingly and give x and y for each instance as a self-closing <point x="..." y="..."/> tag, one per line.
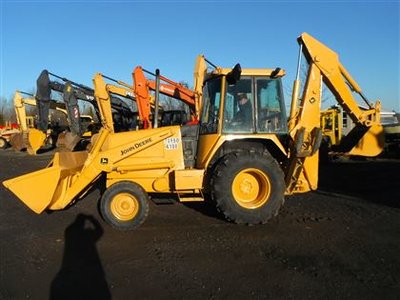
<point x="243" y="155"/>
<point x="29" y="137"/>
<point x="6" y="132"/>
<point x="335" y="125"/>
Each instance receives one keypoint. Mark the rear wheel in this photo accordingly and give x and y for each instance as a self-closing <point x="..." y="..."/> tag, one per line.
<point x="124" y="205"/>
<point x="248" y="187"/>
<point x="3" y="143"/>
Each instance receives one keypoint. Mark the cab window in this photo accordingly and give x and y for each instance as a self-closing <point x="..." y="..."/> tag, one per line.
<point x="239" y="107"/>
<point x="270" y="104"/>
<point x="211" y="103"/>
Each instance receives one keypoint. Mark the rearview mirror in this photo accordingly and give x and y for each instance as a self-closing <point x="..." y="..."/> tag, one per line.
<point x="275" y="73"/>
<point x="233" y="76"/>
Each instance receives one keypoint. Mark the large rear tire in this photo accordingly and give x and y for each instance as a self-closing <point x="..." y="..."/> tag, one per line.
<point x="124" y="205"/>
<point x="248" y="188"/>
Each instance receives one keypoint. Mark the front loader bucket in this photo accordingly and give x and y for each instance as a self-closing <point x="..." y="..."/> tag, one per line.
<point x="35" y="189"/>
<point x="47" y="188"/>
<point x="363" y="141"/>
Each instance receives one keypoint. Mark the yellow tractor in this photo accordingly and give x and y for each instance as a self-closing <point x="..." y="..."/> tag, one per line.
<point x="243" y="155"/>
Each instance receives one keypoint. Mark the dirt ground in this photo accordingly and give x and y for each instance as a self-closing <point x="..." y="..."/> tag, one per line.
<point x="342" y="241"/>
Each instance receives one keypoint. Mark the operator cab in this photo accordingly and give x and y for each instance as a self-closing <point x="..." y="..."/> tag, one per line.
<point x="249" y="104"/>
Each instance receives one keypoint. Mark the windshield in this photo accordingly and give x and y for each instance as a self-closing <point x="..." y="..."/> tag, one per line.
<point x="211" y="104"/>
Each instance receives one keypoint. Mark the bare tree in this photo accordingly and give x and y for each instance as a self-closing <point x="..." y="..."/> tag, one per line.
<point x="7" y="112"/>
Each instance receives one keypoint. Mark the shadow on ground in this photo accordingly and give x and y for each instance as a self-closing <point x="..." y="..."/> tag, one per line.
<point x="376" y="181"/>
<point x="81" y="275"/>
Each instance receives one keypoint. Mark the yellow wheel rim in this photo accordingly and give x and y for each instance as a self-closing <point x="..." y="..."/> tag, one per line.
<point x="124" y="206"/>
<point x="251" y="188"/>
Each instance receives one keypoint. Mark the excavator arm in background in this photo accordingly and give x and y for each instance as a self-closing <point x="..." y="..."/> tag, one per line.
<point x="366" y="139"/>
<point x="72" y="92"/>
<point x="19" y="106"/>
<point x="170" y="88"/>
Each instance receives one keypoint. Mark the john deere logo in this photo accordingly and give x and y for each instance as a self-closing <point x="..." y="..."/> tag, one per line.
<point x="104" y="160"/>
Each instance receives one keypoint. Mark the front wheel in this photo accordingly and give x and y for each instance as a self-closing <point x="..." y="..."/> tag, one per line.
<point x="248" y="187"/>
<point x="124" y="205"/>
<point x="3" y="143"/>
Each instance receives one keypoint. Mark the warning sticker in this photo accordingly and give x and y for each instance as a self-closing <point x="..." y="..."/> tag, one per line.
<point x="171" y="143"/>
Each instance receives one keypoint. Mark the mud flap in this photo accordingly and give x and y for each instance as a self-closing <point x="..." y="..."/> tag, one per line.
<point x="27" y="187"/>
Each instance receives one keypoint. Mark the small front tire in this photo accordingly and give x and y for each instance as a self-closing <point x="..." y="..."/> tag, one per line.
<point x="3" y="143"/>
<point x="124" y="205"/>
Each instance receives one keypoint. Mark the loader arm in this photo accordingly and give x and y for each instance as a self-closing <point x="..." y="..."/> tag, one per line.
<point x="304" y="122"/>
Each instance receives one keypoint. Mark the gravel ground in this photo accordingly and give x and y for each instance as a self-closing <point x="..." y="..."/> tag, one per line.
<point x="342" y="241"/>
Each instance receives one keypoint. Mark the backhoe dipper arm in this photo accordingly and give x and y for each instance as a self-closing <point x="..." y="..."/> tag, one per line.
<point x="338" y="80"/>
<point x="43" y="94"/>
<point x="70" y="94"/>
<point x="366" y="138"/>
<point x="20" y="112"/>
<point x="142" y="96"/>
<point x="87" y="94"/>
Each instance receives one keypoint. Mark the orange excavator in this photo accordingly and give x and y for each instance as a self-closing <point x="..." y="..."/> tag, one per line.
<point x="168" y="87"/>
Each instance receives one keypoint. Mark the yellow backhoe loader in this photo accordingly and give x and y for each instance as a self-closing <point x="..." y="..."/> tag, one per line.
<point x="29" y="137"/>
<point x="11" y="129"/>
<point x="242" y="155"/>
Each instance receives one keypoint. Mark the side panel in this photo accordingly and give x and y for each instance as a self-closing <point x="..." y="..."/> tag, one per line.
<point x="151" y="166"/>
<point x="207" y="146"/>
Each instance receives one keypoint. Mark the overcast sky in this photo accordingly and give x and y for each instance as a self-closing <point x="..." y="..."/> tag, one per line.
<point x="76" y="39"/>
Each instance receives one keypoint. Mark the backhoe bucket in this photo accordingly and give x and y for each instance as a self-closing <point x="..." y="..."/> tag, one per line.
<point x="17" y="141"/>
<point x="31" y="140"/>
<point x="363" y="141"/>
<point x="36" y="139"/>
<point x="46" y="188"/>
<point x="67" y="141"/>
